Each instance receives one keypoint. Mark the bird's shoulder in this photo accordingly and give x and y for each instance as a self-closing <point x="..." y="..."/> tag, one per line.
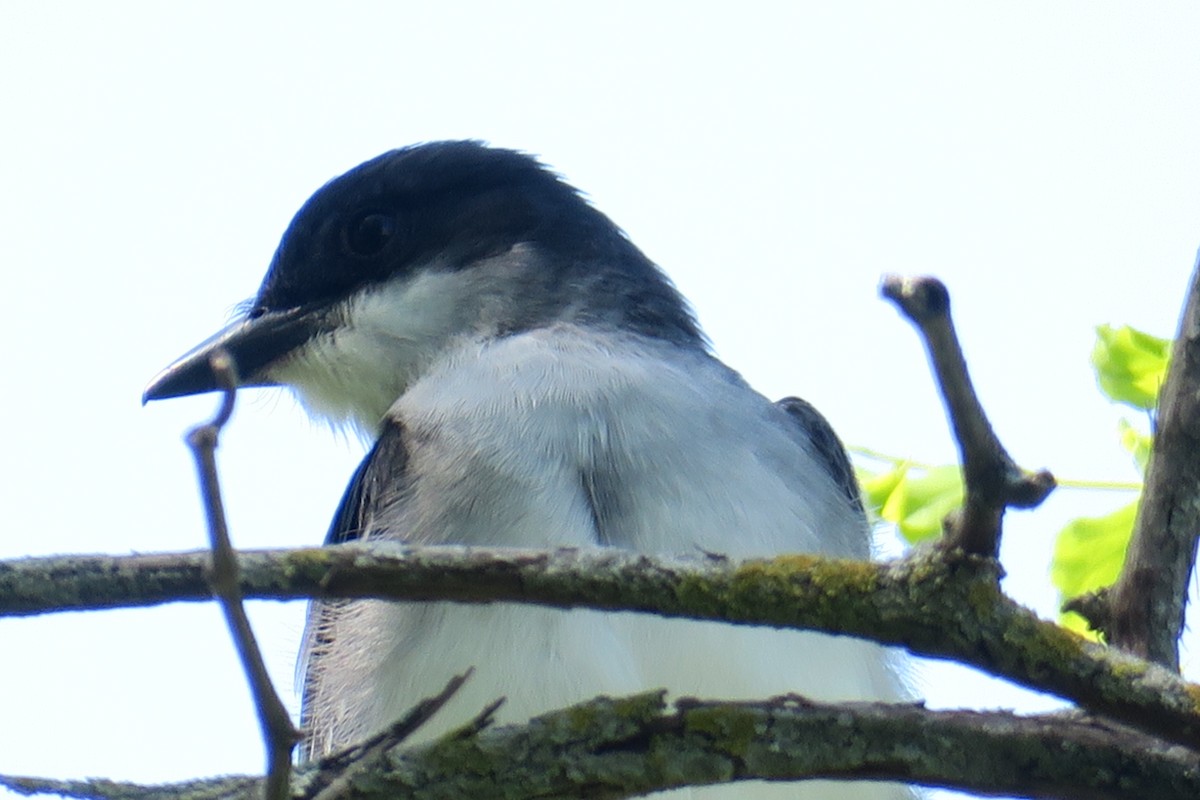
<point x="825" y="445"/>
<point x="612" y="405"/>
<point x="379" y="476"/>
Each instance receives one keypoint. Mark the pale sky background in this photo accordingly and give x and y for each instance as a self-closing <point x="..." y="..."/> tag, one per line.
<point x="775" y="159"/>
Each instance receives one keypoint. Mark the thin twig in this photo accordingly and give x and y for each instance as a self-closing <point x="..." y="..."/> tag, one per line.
<point x="1060" y="481"/>
<point x="1146" y="605"/>
<point x="992" y="479"/>
<point x="279" y="735"/>
<point x="363" y="756"/>
<point x="484" y="719"/>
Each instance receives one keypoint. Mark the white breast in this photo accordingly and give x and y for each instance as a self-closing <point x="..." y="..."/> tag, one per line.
<point x="692" y="460"/>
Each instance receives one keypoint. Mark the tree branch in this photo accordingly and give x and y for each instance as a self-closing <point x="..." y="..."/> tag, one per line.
<point x="932" y="603"/>
<point x="992" y="480"/>
<point x="1146" y="605"/>
<point x="609" y="748"/>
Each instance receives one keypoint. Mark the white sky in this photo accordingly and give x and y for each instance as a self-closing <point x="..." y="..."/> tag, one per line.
<point x="775" y="159"/>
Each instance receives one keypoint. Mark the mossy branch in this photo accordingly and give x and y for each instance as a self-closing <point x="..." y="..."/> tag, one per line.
<point x="609" y="748"/>
<point x="934" y="604"/>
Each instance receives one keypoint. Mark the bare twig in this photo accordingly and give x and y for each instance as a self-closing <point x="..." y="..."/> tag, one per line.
<point x="1093" y="606"/>
<point x="1146" y="605"/>
<point x="279" y="735"/>
<point x="484" y="719"/>
<point x="339" y="769"/>
<point x="932" y="604"/>
<point x="992" y="479"/>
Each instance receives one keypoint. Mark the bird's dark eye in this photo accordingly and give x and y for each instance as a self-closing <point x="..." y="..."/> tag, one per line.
<point x="368" y="233"/>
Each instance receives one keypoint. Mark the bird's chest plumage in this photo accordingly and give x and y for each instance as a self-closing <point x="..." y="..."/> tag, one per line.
<point x="557" y="439"/>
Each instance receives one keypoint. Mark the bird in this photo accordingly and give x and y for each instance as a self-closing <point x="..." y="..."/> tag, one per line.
<point x="529" y="378"/>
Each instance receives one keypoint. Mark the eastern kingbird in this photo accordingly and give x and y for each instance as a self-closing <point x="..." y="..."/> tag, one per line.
<point x="531" y="379"/>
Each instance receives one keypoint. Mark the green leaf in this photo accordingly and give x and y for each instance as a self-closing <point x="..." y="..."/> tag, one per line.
<point x="1074" y="622"/>
<point x="1130" y="365"/>
<point x="915" y="499"/>
<point x="878" y="487"/>
<point x="1138" y="444"/>
<point x="1090" y="551"/>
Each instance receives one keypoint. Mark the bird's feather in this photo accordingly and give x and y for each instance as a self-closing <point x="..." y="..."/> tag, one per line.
<point x="814" y="429"/>
<point x="561" y="437"/>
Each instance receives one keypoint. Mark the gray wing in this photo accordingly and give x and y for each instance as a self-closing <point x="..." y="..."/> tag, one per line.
<point x="826" y="446"/>
<point x="379" y="478"/>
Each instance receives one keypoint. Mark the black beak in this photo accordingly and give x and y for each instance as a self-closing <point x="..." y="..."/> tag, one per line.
<point x="254" y="344"/>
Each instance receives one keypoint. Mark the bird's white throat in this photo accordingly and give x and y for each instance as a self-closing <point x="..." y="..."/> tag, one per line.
<point x="391" y="333"/>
